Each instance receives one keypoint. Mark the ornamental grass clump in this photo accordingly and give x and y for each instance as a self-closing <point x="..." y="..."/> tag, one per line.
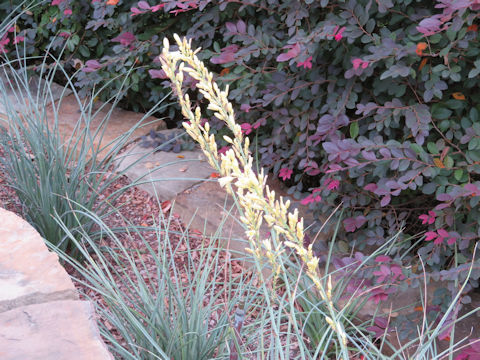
<point x="51" y="173"/>
<point x="166" y="296"/>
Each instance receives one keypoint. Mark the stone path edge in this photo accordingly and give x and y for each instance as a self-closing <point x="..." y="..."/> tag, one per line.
<point x="41" y="316"/>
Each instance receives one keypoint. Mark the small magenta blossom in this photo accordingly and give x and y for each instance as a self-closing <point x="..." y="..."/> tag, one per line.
<point x="428" y="218"/>
<point x="357" y="62"/>
<point x="312" y="198"/>
<point x="223" y="149"/>
<point x="332" y="184"/>
<point x="307" y="64"/>
<point x="259" y="122"/>
<point x="246" y="128"/>
<point x="285" y="173"/>
<point x="439" y="236"/>
<point x="339" y="34"/>
<point x="67" y="12"/>
<point x="5" y="40"/>
<point x="18" y="39"/>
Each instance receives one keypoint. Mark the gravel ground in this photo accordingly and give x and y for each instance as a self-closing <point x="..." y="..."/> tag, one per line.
<point x="139" y="208"/>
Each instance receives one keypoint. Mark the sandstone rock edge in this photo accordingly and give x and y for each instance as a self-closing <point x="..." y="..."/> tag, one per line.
<point x="41" y="316"/>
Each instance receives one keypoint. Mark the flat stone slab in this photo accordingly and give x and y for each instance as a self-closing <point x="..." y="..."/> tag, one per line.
<point x="29" y="273"/>
<point x="40" y="314"/>
<point x="16" y="96"/>
<point x="206" y="207"/>
<point x="59" y="330"/>
<point x="70" y="121"/>
<point x="164" y="174"/>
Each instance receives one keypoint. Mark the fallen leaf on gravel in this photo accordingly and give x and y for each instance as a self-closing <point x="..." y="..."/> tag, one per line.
<point x="180" y="156"/>
<point x="149" y="165"/>
<point x="166" y="205"/>
<point x="195" y="231"/>
<point x="183" y="169"/>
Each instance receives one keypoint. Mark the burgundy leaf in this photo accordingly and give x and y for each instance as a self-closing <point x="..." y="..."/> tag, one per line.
<point x="290" y="54"/>
<point x="143" y="5"/>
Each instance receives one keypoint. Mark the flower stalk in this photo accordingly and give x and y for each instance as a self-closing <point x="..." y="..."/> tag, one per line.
<point x="235" y="166"/>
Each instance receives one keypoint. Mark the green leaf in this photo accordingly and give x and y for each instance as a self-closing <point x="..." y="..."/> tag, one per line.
<point x="458" y="174"/>
<point x="417" y="148"/>
<point x="83" y="50"/>
<point x="441" y="113"/>
<point x="354" y="129"/>
<point x="448" y="162"/>
<point x="432" y="148"/>
<point x="474" y="144"/>
<point x="474" y="114"/>
<point x="473" y="73"/>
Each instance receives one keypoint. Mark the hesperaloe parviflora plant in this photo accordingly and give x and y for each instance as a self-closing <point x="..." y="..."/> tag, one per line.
<point x="256" y="200"/>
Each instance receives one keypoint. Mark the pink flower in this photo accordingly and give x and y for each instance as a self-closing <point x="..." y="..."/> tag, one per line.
<point x="439" y="236"/>
<point x="312" y="198"/>
<point x="428" y="218"/>
<point x="65" y="34"/>
<point x="223" y="149"/>
<point x="259" y="122"/>
<point x="5" y="40"/>
<point x="334" y="184"/>
<point x="451" y="241"/>
<point x="67" y="12"/>
<point x="246" y="128"/>
<point x="18" y="39"/>
<point x="57" y="2"/>
<point x="157" y="7"/>
<point x="285" y="173"/>
<point x="339" y="34"/>
<point x="430" y="235"/>
<point x="307" y="64"/>
<point x="357" y="62"/>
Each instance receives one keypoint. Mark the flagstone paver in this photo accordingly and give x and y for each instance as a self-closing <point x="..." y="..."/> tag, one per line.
<point x="40" y="314"/>
<point x="28" y="271"/>
<point x="58" y="330"/>
<point x="164" y="174"/>
<point x="120" y="122"/>
<point x="17" y="95"/>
